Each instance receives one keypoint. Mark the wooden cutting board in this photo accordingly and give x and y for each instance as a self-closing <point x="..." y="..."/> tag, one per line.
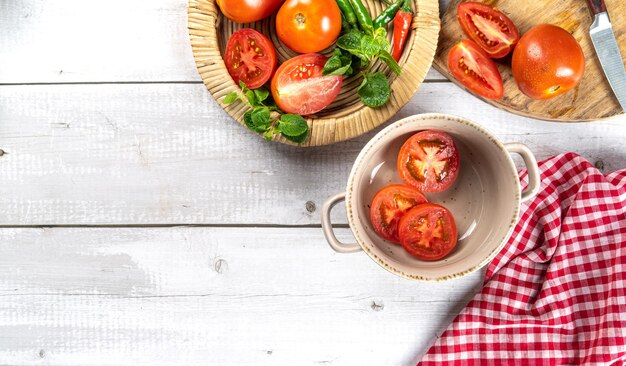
<point x="591" y="100"/>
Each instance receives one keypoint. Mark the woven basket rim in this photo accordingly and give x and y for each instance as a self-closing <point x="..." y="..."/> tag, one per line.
<point x="204" y="19"/>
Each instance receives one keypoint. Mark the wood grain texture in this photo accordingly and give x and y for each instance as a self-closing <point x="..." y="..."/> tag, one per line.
<point x="142" y="154"/>
<point x="167" y="154"/>
<point x="596" y="6"/>
<point x="199" y="296"/>
<point x="591" y="100"/>
<point x="345" y="118"/>
<point x="129" y="41"/>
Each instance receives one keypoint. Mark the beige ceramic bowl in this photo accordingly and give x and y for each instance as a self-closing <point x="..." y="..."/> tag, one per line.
<point x="485" y="199"/>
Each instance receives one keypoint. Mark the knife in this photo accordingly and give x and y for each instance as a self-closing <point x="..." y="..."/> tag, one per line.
<point x="604" y="42"/>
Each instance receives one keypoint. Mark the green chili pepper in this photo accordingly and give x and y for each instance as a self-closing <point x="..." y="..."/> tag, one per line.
<point x="387" y="15"/>
<point x="362" y="15"/>
<point x="348" y="13"/>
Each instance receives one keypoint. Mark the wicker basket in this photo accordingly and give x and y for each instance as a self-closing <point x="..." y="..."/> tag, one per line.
<point x="346" y="117"/>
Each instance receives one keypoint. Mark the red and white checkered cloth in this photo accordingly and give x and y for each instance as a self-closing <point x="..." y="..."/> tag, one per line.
<point x="556" y="293"/>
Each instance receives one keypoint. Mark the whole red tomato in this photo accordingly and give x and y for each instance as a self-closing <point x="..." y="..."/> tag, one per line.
<point x="547" y="62"/>
<point x="246" y="11"/>
<point x="308" y="25"/>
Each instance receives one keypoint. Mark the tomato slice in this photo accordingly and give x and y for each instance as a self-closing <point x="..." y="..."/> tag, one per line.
<point x="429" y="161"/>
<point x="471" y="66"/>
<point x="428" y="232"/>
<point x="250" y="57"/>
<point x="493" y="31"/>
<point x="389" y="205"/>
<point x="299" y="86"/>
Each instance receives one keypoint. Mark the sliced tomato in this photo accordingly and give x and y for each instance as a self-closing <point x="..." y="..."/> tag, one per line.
<point x="428" y="232"/>
<point x="250" y="57"/>
<point x="429" y="161"/>
<point x="493" y="31"/>
<point x="388" y="207"/>
<point x="299" y="87"/>
<point x="473" y="68"/>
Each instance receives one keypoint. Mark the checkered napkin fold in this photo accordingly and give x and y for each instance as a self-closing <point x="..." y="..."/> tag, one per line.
<point x="556" y="293"/>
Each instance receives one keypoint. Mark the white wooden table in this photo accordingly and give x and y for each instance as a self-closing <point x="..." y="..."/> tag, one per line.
<point x="141" y="225"/>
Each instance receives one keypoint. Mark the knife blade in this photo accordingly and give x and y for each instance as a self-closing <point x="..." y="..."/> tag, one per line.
<point x="607" y="50"/>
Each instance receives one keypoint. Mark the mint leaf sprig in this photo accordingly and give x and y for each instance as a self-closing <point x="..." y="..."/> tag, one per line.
<point x="265" y="118"/>
<point x="356" y="51"/>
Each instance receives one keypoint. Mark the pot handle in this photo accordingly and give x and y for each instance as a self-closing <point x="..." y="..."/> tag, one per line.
<point x="531" y="165"/>
<point x="327" y="226"/>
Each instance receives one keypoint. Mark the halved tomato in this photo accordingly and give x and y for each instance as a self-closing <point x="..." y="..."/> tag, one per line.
<point x="388" y="207"/>
<point x="299" y="87"/>
<point x="428" y="232"/>
<point x="493" y="31"/>
<point x="471" y="66"/>
<point x="250" y="57"/>
<point x="429" y="161"/>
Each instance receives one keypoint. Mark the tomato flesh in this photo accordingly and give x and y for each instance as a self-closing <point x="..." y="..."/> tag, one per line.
<point x="428" y="231"/>
<point x="308" y="26"/>
<point x="250" y="57"/>
<point x="299" y="87"/>
<point x="429" y="161"/>
<point x="473" y="68"/>
<point x="388" y="207"/>
<point x="548" y="61"/>
<point x="493" y="31"/>
<point x="246" y="11"/>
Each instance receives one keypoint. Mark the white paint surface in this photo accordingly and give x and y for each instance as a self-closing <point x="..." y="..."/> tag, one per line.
<point x="103" y="121"/>
<point x="209" y="296"/>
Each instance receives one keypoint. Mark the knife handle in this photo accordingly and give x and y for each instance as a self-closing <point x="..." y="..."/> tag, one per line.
<point x="596" y="6"/>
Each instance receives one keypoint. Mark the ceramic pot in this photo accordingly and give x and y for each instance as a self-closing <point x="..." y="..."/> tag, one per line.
<point x="485" y="199"/>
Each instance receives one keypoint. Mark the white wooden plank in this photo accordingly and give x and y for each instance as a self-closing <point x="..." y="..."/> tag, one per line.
<point x="90" y="41"/>
<point x="163" y="154"/>
<point x="198" y="296"/>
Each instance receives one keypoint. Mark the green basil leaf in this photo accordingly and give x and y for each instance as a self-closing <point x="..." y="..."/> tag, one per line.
<point x="346" y="59"/>
<point x="247" y="120"/>
<point x="356" y="64"/>
<point x="389" y="60"/>
<point x="375" y="90"/>
<point x="380" y="33"/>
<point x="230" y="97"/>
<point x="261" y="119"/>
<point x="339" y="63"/>
<point x="243" y="86"/>
<point x="298" y="139"/>
<point x="261" y="94"/>
<point x="383" y="43"/>
<point x="351" y="42"/>
<point x="332" y="63"/>
<point x="251" y="97"/>
<point x="292" y="125"/>
<point x="369" y="46"/>
<point x="343" y="70"/>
